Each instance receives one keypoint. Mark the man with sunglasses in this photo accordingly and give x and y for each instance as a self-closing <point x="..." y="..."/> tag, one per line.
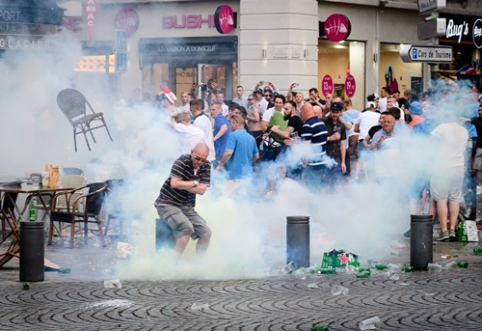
<point x="190" y="175"/>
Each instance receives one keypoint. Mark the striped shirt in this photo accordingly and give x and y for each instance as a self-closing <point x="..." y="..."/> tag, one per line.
<point x="314" y="130"/>
<point x="183" y="169"/>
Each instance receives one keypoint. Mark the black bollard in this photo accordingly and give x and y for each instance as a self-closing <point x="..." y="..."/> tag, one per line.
<point x="298" y="241"/>
<point x="421" y="241"/>
<point x="164" y="236"/>
<point x="31" y="251"/>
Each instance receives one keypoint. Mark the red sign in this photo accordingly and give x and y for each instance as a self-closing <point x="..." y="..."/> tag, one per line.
<point x="337" y="27"/>
<point x="224" y="19"/>
<point x="90" y="13"/>
<point x="187" y="21"/>
<point x="327" y="85"/>
<point x="350" y="86"/>
<point x="127" y="19"/>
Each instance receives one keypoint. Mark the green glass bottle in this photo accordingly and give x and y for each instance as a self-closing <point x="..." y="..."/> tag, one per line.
<point x="327" y="271"/>
<point x="478" y="250"/>
<point x="25" y="286"/>
<point x="461" y="232"/>
<point x="462" y="264"/>
<point x="407" y="269"/>
<point x="64" y="270"/>
<point x="31" y="212"/>
<point x="363" y="269"/>
<point x="364" y="274"/>
<point x="319" y="328"/>
<point x="381" y="267"/>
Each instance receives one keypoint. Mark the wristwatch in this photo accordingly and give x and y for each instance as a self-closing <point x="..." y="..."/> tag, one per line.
<point x="196" y="183"/>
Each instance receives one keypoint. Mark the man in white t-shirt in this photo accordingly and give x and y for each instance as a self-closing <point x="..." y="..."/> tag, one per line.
<point x="202" y="121"/>
<point x="220" y="99"/>
<point x="261" y="103"/>
<point x="363" y="124"/>
<point x="279" y="101"/>
<point x="190" y="134"/>
<point x="382" y="105"/>
<point x="448" y="174"/>
<point x="185" y="99"/>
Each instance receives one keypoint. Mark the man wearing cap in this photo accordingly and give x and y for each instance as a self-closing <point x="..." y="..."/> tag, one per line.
<point x="416" y="112"/>
<point x="261" y="103"/>
<point x="335" y="142"/>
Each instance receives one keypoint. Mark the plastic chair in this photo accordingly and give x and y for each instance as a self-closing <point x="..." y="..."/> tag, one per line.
<point x="113" y="204"/>
<point x="93" y="201"/>
<point x="67" y="171"/>
<point x="72" y="103"/>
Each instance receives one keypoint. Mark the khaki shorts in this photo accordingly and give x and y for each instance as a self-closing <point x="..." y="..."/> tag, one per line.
<point x="447" y="185"/>
<point x="183" y="221"/>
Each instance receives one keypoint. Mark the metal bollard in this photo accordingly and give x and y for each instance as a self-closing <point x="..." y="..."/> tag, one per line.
<point x="164" y="236"/>
<point x="31" y="251"/>
<point x="298" y="241"/>
<point x="421" y="241"/>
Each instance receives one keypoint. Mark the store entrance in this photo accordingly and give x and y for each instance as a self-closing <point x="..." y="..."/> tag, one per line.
<point x="185" y="62"/>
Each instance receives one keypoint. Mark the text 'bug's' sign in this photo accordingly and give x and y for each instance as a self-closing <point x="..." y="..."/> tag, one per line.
<point x="426" y="54"/>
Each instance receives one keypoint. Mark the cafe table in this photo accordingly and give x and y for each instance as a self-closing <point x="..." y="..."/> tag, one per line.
<point x="6" y="191"/>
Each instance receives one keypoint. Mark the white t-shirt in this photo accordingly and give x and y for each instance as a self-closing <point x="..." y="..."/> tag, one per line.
<point x="225" y="109"/>
<point x="186" y="107"/>
<point x="190" y="136"/>
<point x="262" y="105"/>
<point x="267" y="114"/>
<point x="382" y="105"/>
<point x="365" y="121"/>
<point x="204" y="123"/>
<point x="451" y="139"/>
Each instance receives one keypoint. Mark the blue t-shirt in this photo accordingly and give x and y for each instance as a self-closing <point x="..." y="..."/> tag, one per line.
<point x="220" y="144"/>
<point x="315" y="131"/>
<point x="244" y="147"/>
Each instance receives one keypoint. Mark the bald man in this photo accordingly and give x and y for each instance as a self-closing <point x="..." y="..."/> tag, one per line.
<point x="190" y="175"/>
<point x="315" y="133"/>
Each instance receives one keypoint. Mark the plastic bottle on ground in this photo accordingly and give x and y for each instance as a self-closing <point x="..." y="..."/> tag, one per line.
<point x="338" y="289"/>
<point x="300" y="274"/>
<point x="434" y="267"/>
<point x="371" y="323"/>
<point x="199" y="306"/>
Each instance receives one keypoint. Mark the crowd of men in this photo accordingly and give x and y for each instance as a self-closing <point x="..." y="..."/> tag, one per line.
<point x="326" y="143"/>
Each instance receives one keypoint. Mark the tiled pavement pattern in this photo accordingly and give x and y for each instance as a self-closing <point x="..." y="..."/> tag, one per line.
<point x="447" y="300"/>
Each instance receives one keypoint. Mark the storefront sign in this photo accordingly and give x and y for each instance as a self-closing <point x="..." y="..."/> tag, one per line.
<point x="337" y="27"/>
<point x="464" y="28"/>
<point x="477" y="33"/>
<point x="187" y="48"/>
<point x="24" y="43"/>
<point x="327" y="85"/>
<point x="90" y="13"/>
<point x="224" y="19"/>
<point x="127" y="19"/>
<point x="350" y="86"/>
<point x="187" y="21"/>
<point x="27" y="29"/>
<point x="38" y="12"/>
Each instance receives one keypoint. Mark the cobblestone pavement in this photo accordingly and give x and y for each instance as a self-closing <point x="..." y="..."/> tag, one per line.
<point x="446" y="300"/>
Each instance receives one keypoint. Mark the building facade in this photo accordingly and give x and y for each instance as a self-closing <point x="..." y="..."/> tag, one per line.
<point x="280" y="41"/>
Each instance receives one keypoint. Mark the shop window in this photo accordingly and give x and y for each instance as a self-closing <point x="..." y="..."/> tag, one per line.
<point x="338" y="59"/>
<point x="396" y="74"/>
<point x="95" y="63"/>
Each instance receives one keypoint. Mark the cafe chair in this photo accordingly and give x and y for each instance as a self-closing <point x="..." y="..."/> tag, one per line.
<point x="13" y="248"/>
<point x="73" y="105"/>
<point x="93" y="200"/>
<point x="7" y="205"/>
<point x="114" y="205"/>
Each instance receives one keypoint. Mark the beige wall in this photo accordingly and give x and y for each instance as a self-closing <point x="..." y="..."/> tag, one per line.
<point x="402" y="71"/>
